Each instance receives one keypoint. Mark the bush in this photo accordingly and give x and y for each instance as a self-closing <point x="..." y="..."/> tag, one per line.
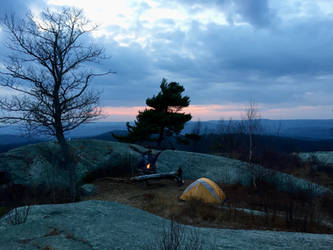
<point x="195" y="208"/>
<point x="175" y="237"/>
<point x="20" y="195"/>
<point x="4" y="178"/>
<point x="327" y="204"/>
<point x="116" y="171"/>
<point x="18" y="215"/>
<point x="279" y="161"/>
<point x="3" y="211"/>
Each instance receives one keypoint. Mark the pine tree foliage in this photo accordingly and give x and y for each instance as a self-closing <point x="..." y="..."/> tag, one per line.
<point x="163" y="117"/>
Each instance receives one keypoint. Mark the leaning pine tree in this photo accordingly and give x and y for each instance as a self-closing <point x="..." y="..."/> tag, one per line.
<point x="162" y="117"/>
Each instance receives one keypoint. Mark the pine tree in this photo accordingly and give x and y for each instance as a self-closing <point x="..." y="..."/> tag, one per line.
<point x="162" y="117"/>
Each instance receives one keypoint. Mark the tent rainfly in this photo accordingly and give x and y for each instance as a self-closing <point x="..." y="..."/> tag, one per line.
<point x="204" y="189"/>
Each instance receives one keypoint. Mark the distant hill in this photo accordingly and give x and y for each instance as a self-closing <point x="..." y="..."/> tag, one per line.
<point x="16" y="139"/>
<point x="211" y="142"/>
<point x="305" y="129"/>
<point x="108" y="135"/>
<point x="8" y="142"/>
<point x="297" y="135"/>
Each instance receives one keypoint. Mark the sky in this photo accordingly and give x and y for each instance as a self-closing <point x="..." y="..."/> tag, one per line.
<point x="224" y="52"/>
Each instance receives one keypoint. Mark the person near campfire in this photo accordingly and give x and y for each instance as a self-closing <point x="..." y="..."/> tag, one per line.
<point x="147" y="164"/>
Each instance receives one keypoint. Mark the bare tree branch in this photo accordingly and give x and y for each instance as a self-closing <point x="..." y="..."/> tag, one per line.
<point x="48" y="70"/>
<point x="48" y="67"/>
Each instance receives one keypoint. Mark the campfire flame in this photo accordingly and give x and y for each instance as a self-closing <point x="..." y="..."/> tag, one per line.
<point x="148" y="166"/>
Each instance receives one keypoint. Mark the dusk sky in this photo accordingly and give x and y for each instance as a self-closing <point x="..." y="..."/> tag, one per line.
<point x="224" y="52"/>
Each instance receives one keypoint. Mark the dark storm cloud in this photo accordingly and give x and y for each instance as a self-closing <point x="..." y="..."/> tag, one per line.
<point x="234" y="63"/>
<point x="298" y="49"/>
<point x="255" y="12"/>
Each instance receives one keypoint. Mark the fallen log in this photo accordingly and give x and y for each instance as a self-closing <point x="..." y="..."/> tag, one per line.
<point x="177" y="175"/>
<point x="115" y="179"/>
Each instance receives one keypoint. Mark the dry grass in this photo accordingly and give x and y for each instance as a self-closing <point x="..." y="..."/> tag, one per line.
<point x="48" y="248"/>
<point x="280" y="211"/>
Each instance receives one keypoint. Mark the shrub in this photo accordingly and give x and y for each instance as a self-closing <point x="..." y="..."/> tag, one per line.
<point x="20" y="195"/>
<point x="327" y="204"/>
<point x="4" y="178"/>
<point x="175" y="237"/>
<point x="18" y="215"/>
<point x="279" y="160"/>
<point x="196" y="207"/>
<point x="106" y="169"/>
<point x="3" y="211"/>
<point x="120" y="170"/>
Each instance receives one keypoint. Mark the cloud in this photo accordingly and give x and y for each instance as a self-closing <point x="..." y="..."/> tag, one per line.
<point x="223" y="51"/>
<point x="298" y="112"/>
<point x="19" y="7"/>
<point x="221" y="64"/>
<point x="299" y="48"/>
<point x="254" y="12"/>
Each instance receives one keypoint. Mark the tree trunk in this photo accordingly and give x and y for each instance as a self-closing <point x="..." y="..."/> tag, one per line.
<point x="69" y="164"/>
<point x="250" y="145"/>
<point x="177" y="175"/>
<point x="69" y="161"/>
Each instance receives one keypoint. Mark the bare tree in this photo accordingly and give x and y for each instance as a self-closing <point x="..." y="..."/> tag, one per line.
<point x="197" y="128"/>
<point x="252" y="125"/>
<point x="48" y="72"/>
<point x="278" y="128"/>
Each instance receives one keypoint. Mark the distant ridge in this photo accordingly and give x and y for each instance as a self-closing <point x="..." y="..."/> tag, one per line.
<point x="16" y="139"/>
<point x="305" y="129"/>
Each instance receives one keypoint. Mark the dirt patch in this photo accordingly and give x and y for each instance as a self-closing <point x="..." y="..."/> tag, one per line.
<point x="137" y="194"/>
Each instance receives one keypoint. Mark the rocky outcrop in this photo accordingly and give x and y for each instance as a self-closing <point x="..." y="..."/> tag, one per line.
<point x="88" y="189"/>
<point x="41" y="165"/>
<point x="226" y="170"/>
<point x="109" y="225"/>
<point x="325" y="158"/>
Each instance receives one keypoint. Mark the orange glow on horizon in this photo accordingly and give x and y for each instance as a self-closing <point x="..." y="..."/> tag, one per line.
<point x="202" y="112"/>
<point x="217" y="112"/>
<point x="122" y="111"/>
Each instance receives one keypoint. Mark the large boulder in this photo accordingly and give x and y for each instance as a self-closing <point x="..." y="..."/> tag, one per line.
<point x="325" y="158"/>
<point x="231" y="171"/>
<point x="42" y="164"/>
<point x="109" y="225"/>
<point x="196" y="165"/>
